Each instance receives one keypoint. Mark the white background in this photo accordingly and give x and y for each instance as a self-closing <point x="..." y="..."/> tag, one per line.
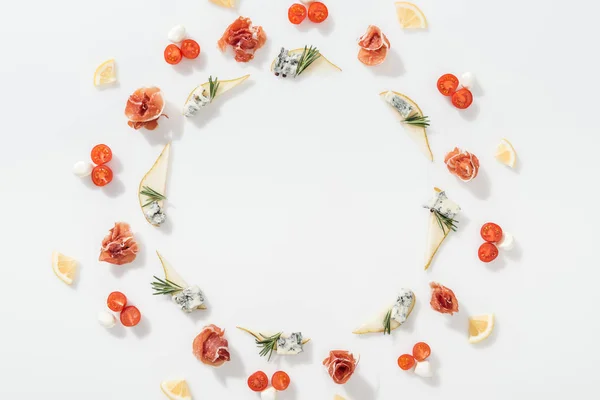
<point x="296" y="205"/>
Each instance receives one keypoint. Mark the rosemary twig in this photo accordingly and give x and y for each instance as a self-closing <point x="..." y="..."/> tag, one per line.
<point x="417" y="120"/>
<point x="152" y="195"/>
<point x="268" y="344"/>
<point x="214" y="86"/>
<point x="445" y="222"/>
<point x="387" y="323"/>
<point x="309" y="55"/>
<point x="165" y="286"/>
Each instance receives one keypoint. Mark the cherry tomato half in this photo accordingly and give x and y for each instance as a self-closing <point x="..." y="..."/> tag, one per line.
<point x="447" y="84"/>
<point x="280" y="380"/>
<point x="102" y="175"/>
<point x="130" y="316"/>
<point x="491" y="232"/>
<point x="101" y="154"/>
<point x="172" y="54"/>
<point x="421" y="351"/>
<point x="190" y="49"/>
<point x="406" y="362"/>
<point x="258" y="381"/>
<point x="487" y="252"/>
<point x="462" y="98"/>
<point x="116" y="301"/>
<point x="317" y="12"/>
<point x="297" y="13"/>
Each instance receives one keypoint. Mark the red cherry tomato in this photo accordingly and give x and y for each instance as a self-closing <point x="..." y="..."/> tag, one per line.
<point x="406" y="362"/>
<point x="101" y="154"/>
<point x="421" y="351"/>
<point x="116" y="301"/>
<point x="172" y="54"/>
<point x="190" y="48"/>
<point x="280" y="380"/>
<point x="447" y="84"/>
<point x="488" y="252"/>
<point x="258" y="381"/>
<point x="102" y="175"/>
<point x="317" y="12"/>
<point x="462" y="98"/>
<point x="130" y="316"/>
<point x="491" y="232"/>
<point x="297" y="13"/>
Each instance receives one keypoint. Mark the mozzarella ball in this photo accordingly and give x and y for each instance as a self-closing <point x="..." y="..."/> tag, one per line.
<point x="106" y="319"/>
<point x="177" y="33"/>
<point x="467" y="80"/>
<point x="423" y="369"/>
<point x="82" y="168"/>
<point x="507" y="242"/>
<point x="268" y="394"/>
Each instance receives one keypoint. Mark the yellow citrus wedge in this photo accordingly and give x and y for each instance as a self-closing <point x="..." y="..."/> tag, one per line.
<point x="480" y="327"/>
<point x="223" y="3"/>
<point x="319" y="63"/>
<point x="410" y="16"/>
<point x="64" y="267"/>
<point x="506" y="154"/>
<point x="106" y="73"/>
<point x="338" y="397"/>
<point x="224" y="86"/>
<point x="176" y="390"/>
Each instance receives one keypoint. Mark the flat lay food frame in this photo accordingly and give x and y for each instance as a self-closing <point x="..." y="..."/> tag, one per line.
<point x="293" y="200"/>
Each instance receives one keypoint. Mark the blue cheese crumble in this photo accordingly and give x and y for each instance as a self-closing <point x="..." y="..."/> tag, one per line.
<point x="189" y="298"/>
<point x="401" y="105"/>
<point x="403" y="305"/>
<point x="286" y="64"/>
<point x="443" y="205"/>
<point x="195" y="103"/>
<point x="154" y="213"/>
<point x="290" y="345"/>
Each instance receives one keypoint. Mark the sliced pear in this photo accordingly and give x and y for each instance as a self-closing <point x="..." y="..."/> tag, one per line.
<point x="173" y="276"/>
<point x="376" y="324"/>
<point x="319" y="63"/>
<point x="263" y="336"/>
<point x="417" y="134"/>
<point x="156" y="179"/>
<point x="435" y="237"/>
<point x="338" y="397"/>
<point x="224" y="86"/>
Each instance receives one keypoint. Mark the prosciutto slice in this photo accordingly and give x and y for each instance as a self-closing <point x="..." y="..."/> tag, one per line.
<point x="374" y="46"/>
<point x="244" y="38"/>
<point x="443" y="299"/>
<point x="340" y="365"/>
<point x="144" y="107"/>
<point x="211" y="347"/>
<point x="119" y="247"/>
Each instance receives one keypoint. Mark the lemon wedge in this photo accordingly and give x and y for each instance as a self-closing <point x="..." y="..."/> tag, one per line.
<point x="338" y="397"/>
<point x="480" y="327"/>
<point x="319" y="63"/>
<point x="506" y="154"/>
<point x="106" y="73"/>
<point x="64" y="267"/>
<point x="176" y="389"/>
<point x="410" y="16"/>
<point x="223" y="3"/>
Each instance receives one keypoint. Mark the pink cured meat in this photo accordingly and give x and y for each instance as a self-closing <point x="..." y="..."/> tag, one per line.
<point x="443" y="299"/>
<point x="340" y="365"/>
<point x="119" y="247"/>
<point x="211" y="347"/>
<point x="244" y="38"/>
<point x="374" y="46"/>
<point x="144" y="107"/>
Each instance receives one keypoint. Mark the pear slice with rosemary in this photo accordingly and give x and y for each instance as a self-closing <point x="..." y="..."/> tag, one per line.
<point x="215" y="87"/>
<point x="383" y="322"/>
<point x="415" y="124"/>
<point x="153" y="185"/>
<point x="267" y="341"/>
<point x="173" y="278"/>
<point x="313" y="60"/>
<point x="439" y="228"/>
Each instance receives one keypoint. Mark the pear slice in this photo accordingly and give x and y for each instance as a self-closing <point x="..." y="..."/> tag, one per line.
<point x="417" y="134"/>
<point x="338" y="397"/>
<point x="319" y="63"/>
<point x="173" y="276"/>
<point x="435" y="236"/>
<point x="224" y="86"/>
<point x="261" y="336"/>
<point x="156" y="179"/>
<point x="376" y="324"/>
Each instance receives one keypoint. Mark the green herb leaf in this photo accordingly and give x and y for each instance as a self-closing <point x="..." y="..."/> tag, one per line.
<point x="387" y="323"/>
<point x="165" y="286"/>
<point x="214" y="86"/>
<point x="417" y="120"/>
<point x="152" y="195"/>
<point x="445" y="222"/>
<point x="309" y="55"/>
<point x="268" y="344"/>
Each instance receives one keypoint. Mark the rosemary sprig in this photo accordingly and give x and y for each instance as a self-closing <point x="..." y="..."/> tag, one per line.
<point x="309" y="55"/>
<point x="152" y="195"/>
<point x="417" y="120"/>
<point x="165" y="286"/>
<point x="387" y="323"/>
<point x="445" y="222"/>
<point x="214" y="86"/>
<point x="268" y="344"/>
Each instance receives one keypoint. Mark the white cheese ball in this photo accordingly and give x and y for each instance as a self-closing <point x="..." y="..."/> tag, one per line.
<point x="507" y="242"/>
<point x="423" y="369"/>
<point x="307" y="1"/>
<point x="106" y="319"/>
<point x="467" y="80"/>
<point x="177" y="33"/>
<point x="268" y="394"/>
<point x="82" y="168"/>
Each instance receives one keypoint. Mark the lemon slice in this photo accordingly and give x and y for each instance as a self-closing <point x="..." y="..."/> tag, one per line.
<point x="64" y="267"/>
<point x="480" y="327"/>
<point x="319" y="63"/>
<point x="224" y="3"/>
<point x="506" y="154"/>
<point x="106" y="73"/>
<point x="176" y="390"/>
<point x="410" y="16"/>
<point x="338" y="397"/>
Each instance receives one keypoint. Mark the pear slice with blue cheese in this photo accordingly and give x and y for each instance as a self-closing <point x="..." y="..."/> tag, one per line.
<point x="404" y="107"/>
<point x="204" y="94"/>
<point x="286" y="64"/>
<point x="171" y="276"/>
<point x="442" y="210"/>
<point x="268" y="342"/>
<point x="391" y="317"/>
<point x="152" y="189"/>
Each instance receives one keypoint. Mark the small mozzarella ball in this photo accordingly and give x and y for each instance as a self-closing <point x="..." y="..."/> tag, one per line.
<point x="307" y="1"/>
<point x="423" y="369"/>
<point x="82" y="168"/>
<point x="467" y="80"/>
<point x="177" y="33"/>
<point x="507" y="242"/>
<point x="106" y="319"/>
<point x="268" y="394"/>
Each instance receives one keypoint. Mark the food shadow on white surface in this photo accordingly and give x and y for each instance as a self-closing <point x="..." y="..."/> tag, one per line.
<point x="392" y="66"/>
<point x="187" y="67"/>
<point x="233" y="369"/>
<point x="506" y="258"/>
<point x="471" y="113"/>
<point x="169" y="128"/>
<point x="304" y="358"/>
<point x="113" y="189"/>
<point x="459" y="321"/>
<point x="435" y="379"/>
<point x="202" y="316"/>
<point x="481" y="186"/>
<point x="359" y="388"/>
<point x="325" y="27"/>
<point x="142" y="329"/>
<point x="118" y="330"/>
